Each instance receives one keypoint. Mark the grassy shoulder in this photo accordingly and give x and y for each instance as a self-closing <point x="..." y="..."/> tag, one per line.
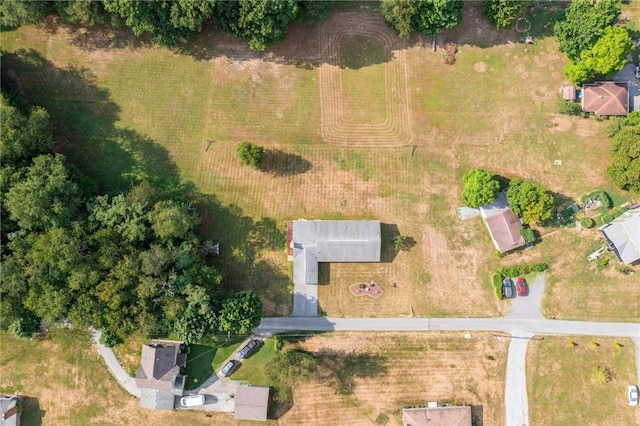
<point x="253" y="369"/>
<point x="65" y="381"/>
<point x="561" y="386"/>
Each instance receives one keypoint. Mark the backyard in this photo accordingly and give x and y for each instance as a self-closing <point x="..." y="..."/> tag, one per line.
<point x="127" y="110"/>
<point x="65" y="381"/>
<point x="563" y="388"/>
<point x="379" y="373"/>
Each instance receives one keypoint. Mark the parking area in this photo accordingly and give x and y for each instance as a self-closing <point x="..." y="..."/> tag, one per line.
<point x="627" y="74"/>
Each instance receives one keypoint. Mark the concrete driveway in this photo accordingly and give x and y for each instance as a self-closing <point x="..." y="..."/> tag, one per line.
<point x="627" y="74"/>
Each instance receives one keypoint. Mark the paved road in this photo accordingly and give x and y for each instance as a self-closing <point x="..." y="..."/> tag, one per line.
<point x="507" y="325"/>
<point x="515" y="389"/>
<point x="126" y="381"/>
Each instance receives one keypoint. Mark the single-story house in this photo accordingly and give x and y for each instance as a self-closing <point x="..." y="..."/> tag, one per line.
<point x="251" y="403"/>
<point x="437" y="416"/>
<point x="158" y="375"/>
<point x="503" y="225"/>
<point x="314" y="241"/>
<point x="623" y="236"/>
<point x="606" y="98"/>
<point x="10" y="410"/>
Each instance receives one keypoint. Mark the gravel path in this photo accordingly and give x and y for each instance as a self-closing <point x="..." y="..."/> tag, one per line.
<point x="515" y="390"/>
<point x="126" y="381"/>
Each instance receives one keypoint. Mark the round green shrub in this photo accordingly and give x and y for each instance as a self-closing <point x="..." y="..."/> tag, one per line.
<point x="587" y="222"/>
<point x="571" y="344"/>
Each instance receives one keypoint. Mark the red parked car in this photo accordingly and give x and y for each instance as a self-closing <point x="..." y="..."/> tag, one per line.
<point x="521" y="286"/>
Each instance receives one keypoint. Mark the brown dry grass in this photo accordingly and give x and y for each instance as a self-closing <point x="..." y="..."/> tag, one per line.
<point x="495" y="108"/>
<point x="420" y="367"/>
<point x="66" y="382"/>
<point x="560" y="388"/>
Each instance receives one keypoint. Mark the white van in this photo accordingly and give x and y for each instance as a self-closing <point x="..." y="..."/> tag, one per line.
<point x="192" y="401"/>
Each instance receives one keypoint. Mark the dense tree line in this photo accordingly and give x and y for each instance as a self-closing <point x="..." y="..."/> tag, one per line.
<point x="124" y="263"/>
<point x="167" y="22"/>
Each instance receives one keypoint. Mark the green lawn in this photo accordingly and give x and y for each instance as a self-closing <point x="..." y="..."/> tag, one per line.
<point x="140" y="112"/>
<point x="205" y="358"/>
<point x="560" y="386"/>
<point x="253" y="368"/>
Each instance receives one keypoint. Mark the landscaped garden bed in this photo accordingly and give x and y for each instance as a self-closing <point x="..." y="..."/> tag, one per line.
<point x="366" y="289"/>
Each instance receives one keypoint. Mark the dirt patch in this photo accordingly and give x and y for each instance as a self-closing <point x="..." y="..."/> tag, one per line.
<point x="480" y="67"/>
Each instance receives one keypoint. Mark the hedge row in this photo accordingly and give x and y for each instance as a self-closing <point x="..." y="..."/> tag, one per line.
<point x="521" y="270"/>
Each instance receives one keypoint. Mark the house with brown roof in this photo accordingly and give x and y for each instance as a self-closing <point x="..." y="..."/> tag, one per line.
<point x="503" y="225"/>
<point x="606" y="98"/>
<point x="437" y="416"/>
<point x="251" y="403"/>
<point x="158" y="375"/>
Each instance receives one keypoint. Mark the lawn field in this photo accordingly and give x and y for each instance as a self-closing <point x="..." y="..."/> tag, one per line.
<point x="356" y="124"/>
<point x="560" y="387"/>
<point x="382" y="372"/>
<point x="65" y="382"/>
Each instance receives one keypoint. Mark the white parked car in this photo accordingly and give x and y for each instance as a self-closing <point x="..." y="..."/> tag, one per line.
<point x="192" y="401"/>
<point x="632" y="394"/>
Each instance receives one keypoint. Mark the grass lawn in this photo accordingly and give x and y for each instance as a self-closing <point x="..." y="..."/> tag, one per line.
<point x="560" y="386"/>
<point x="65" y="382"/>
<point x="253" y="367"/>
<point x="372" y="373"/>
<point x="204" y="359"/>
<point x="128" y="353"/>
<point x="339" y="146"/>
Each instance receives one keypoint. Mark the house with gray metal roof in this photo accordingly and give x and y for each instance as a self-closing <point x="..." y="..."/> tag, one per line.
<point x="314" y="241"/>
<point x="623" y="236"/>
<point x="10" y="410"/>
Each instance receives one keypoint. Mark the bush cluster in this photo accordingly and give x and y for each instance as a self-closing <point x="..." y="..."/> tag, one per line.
<point x="522" y="269"/>
<point x="587" y="222"/>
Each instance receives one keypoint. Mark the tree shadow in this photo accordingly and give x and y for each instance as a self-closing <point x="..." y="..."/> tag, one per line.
<point x="503" y="181"/>
<point x="278" y="409"/>
<point x="242" y="239"/>
<point x="199" y="364"/>
<point x="561" y="216"/>
<point x="84" y="118"/>
<point x="339" y="369"/>
<point x="280" y="163"/>
<point x="477" y="415"/>
<point x="32" y="414"/>
<point x="389" y="232"/>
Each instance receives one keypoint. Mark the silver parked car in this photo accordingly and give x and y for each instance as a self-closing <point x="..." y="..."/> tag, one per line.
<point x="632" y="394"/>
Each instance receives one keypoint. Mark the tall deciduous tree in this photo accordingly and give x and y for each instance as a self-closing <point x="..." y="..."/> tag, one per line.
<point x="289" y="368"/>
<point x="171" y="220"/>
<point x="263" y="22"/>
<point x="532" y="202"/>
<point x="23" y="137"/>
<point x="250" y="154"/>
<point x="400" y="14"/>
<point x="240" y="313"/>
<point x="14" y="13"/>
<point x="585" y="21"/>
<point x="426" y="16"/>
<point x="45" y="197"/>
<point x="502" y="13"/>
<point x="624" y="169"/>
<point x="479" y="188"/>
<point x="167" y="22"/>
<point x="605" y="59"/>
